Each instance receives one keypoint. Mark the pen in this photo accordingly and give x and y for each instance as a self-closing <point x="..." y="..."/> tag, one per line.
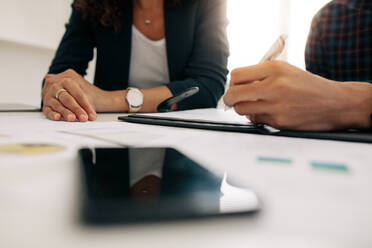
<point x="167" y="104"/>
<point x="276" y="49"/>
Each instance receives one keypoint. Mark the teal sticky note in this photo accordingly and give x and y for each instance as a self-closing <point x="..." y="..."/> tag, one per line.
<point x="274" y="160"/>
<point x="330" y="166"/>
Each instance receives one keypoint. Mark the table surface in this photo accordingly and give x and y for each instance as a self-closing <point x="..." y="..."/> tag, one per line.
<point x="302" y="206"/>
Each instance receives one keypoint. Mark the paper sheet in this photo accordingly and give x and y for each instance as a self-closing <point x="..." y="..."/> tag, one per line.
<point x="120" y="137"/>
<point x="134" y="135"/>
<point x="213" y="115"/>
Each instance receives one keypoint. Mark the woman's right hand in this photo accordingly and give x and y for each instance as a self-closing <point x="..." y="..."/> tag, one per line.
<point x="69" y="96"/>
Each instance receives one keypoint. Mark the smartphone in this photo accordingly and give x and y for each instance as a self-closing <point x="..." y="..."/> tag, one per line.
<point x="173" y="187"/>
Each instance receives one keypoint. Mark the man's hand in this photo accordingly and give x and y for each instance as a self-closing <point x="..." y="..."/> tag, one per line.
<point x="286" y="97"/>
<point x="77" y="99"/>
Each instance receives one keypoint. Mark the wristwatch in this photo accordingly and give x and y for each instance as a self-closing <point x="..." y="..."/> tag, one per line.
<point x="134" y="99"/>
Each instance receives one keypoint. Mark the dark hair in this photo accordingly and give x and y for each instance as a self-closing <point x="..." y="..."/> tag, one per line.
<point x="106" y="13"/>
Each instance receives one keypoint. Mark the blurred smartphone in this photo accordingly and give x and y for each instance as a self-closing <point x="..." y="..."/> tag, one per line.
<point x="184" y="189"/>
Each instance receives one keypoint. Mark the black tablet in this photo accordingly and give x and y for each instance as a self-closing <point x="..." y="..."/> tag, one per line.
<point x="137" y="185"/>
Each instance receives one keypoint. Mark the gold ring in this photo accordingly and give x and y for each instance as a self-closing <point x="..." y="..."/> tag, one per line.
<point x="59" y="92"/>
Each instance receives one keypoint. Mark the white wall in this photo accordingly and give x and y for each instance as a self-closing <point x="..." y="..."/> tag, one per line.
<point x="254" y="26"/>
<point x="30" y="32"/>
<point x="36" y="22"/>
<point x="22" y="68"/>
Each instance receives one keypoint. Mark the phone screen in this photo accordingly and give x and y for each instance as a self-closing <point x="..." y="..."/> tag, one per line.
<point x="136" y="185"/>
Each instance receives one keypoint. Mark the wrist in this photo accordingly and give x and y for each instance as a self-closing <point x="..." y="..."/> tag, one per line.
<point x="113" y="101"/>
<point x="357" y="105"/>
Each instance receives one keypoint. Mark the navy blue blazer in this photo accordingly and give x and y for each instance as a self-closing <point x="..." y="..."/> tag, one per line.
<point x="197" y="50"/>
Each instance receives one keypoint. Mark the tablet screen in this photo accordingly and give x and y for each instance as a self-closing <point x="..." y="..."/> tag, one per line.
<point x="125" y="185"/>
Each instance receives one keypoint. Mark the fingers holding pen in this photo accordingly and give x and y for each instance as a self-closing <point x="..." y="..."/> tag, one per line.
<point x="259" y="82"/>
<point x="254" y="108"/>
<point x="251" y="74"/>
<point x="247" y="93"/>
<point x="245" y="84"/>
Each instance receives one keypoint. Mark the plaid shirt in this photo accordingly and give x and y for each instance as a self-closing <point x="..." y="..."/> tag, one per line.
<point x="339" y="46"/>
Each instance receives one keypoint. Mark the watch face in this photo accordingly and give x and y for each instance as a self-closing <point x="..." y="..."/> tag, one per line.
<point x="135" y="97"/>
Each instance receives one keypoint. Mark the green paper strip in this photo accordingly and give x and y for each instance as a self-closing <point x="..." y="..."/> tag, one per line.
<point x="329" y="166"/>
<point x="274" y="160"/>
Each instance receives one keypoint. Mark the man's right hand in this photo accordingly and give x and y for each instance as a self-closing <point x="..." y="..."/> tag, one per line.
<point x="286" y="97"/>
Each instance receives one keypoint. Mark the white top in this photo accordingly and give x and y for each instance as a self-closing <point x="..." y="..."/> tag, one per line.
<point x="149" y="62"/>
<point x="148" y="69"/>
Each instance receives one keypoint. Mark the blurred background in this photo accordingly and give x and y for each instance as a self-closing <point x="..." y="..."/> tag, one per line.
<point x="31" y="30"/>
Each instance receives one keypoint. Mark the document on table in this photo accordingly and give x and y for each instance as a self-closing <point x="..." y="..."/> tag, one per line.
<point x="208" y="115"/>
<point x="130" y="135"/>
<point x="119" y="136"/>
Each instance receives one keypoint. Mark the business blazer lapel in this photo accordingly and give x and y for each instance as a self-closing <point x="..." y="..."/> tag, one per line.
<point x="126" y="43"/>
<point x="178" y="40"/>
<point x="113" y="56"/>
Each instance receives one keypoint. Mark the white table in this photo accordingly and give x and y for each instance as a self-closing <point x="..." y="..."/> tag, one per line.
<point x="302" y="207"/>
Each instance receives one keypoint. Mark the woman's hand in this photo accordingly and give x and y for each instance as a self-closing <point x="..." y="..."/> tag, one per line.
<point x="80" y="100"/>
<point x="286" y="97"/>
<point x="77" y="98"/>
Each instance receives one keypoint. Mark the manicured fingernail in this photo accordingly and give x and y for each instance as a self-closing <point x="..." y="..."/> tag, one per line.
<point x="71" y="118"/>
<point x="83" y="118"/>
<point x="92" y="116"/>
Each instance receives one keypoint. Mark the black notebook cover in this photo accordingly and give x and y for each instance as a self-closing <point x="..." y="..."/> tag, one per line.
<point x="351" y="136"/>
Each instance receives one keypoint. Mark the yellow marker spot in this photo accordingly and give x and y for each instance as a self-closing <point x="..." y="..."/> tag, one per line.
<point x="30" y="149"/>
